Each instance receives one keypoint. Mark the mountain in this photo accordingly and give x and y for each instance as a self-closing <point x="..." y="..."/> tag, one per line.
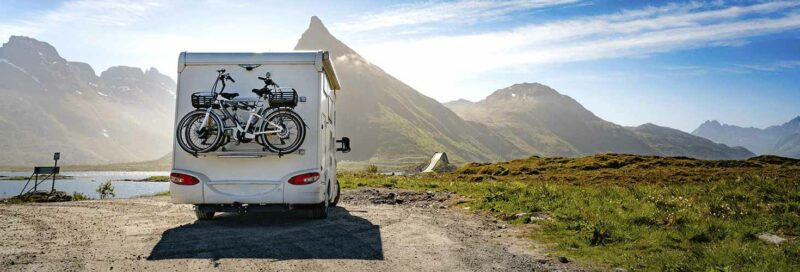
<point x="789" y="146"/>
<point x="389" y="121"/>
<point x="782" y="140"/>
<point x="50" y="104"/>
<point x="673" y="142"/>
<point x="539" y="120"/>
<point x="125" y="114"/>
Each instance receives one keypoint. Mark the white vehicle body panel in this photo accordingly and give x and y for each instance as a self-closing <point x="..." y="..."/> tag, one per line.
<point x="264" y="179"/>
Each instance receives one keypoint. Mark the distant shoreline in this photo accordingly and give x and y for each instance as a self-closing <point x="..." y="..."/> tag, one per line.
<point x="162" y="164"/>
<point x="60" y="177"/>
<point x="12" y="178"/>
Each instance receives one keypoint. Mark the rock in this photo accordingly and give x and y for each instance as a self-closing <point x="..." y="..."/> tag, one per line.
<point x="539" y="216"/>
<point x="771" y="238"/>
<point x="619" y="269"/>
<point x="520" y="215"/>
<point x="430" y="194"/>
<point x="563" y="259"/>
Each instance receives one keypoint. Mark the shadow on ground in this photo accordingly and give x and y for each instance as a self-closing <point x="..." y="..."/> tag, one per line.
<point x="284" y="236"/>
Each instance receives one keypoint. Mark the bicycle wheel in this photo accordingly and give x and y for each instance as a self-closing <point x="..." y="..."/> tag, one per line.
<point x="291" y="135"/>
<point x="195" y="137"/>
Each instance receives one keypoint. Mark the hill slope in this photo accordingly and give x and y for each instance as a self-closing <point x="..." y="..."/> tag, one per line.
<point x="49" y="104"/>
<point x="388" y="120"/>
<point x="540" y="120"/>
<point x="673" y="142"/>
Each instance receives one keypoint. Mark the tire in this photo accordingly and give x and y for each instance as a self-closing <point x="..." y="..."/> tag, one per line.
<point x="203" y="215"/>
<point x="184" y="134"/>
<point x="338" y="194"/>
<point x="319" y="211"/>
<point x="294" y="125"/>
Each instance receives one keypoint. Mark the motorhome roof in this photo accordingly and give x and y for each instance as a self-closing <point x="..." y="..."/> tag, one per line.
<point x="320" y="59"/>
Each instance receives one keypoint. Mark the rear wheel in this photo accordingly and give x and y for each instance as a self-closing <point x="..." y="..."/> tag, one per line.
<point x="335" y="200"/>
<point x="198" y="134"/>
<point x="319" y="211"/>
<point x="203" y="215"/>
<point x="291" y="131"/>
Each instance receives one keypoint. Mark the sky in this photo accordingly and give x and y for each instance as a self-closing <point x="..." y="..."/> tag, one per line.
<point x="675" y="64"/>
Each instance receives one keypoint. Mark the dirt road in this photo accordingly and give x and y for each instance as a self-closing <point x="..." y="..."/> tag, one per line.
<point x="370" y="231"/>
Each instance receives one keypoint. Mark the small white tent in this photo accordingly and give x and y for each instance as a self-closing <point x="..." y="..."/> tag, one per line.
<point x="439" y="158"/>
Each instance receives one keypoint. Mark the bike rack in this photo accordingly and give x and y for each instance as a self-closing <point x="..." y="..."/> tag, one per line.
<point x="247" y="154"/>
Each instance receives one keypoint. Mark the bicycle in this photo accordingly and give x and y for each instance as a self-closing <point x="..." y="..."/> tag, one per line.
<point x="271" y="121"/>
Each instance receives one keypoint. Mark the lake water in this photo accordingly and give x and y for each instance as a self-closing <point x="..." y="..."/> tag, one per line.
<point x="86" y="182"/>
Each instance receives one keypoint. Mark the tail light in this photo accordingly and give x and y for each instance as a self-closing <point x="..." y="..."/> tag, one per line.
<point x="304" y="179"/>
<point x="183" y="179"/>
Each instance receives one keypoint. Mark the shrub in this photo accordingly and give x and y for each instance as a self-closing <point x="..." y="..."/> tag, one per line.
<point x="78" y="196"/>
<point x="106" y="189"/>
<point x="372" y="169"/>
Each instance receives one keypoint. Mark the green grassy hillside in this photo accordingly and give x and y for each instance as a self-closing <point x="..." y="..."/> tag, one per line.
<point x="643" y="213"/>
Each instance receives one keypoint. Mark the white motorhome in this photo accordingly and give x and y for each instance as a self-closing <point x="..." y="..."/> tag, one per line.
<point x="242" y="177"/>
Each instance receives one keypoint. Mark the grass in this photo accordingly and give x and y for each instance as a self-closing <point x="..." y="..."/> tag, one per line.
<point x="156" y="178"/>
<point x="165" y="193"/>
<point x="45" y="196"/>
<point x="637" y="212"/>
<point x="78" y="196"/>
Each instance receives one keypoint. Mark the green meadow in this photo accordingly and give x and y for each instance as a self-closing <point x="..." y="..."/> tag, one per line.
<point x="637" y="212"/>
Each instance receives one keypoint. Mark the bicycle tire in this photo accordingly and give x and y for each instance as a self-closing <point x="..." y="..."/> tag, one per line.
<point x="182" y="132"/>
<point x="290" y="116"/>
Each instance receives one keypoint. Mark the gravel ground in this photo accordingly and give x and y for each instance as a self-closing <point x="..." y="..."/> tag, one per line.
<point x="372" y="230"/>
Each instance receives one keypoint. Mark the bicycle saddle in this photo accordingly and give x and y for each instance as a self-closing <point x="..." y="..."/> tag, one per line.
<point x="229" y="95"/>
<point x="260" y="92"/>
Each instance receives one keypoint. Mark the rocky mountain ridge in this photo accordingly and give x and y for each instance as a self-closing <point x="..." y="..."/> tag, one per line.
<point x="781" y="140"/>
<point x="49" y="104"/>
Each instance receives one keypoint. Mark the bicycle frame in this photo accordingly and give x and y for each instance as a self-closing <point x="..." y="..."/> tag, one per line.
<point x="222" y="104"/>
<point x="255" y="112"/>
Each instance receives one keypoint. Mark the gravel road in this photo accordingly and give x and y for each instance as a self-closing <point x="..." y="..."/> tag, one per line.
<point x="372" y="230"/>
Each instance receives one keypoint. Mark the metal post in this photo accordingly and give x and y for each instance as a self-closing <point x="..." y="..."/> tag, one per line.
<point x="36" y="182"/>
<point x="56" y="156"/>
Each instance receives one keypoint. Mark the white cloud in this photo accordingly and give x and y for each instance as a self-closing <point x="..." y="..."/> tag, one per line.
<point x="454" y="62"/>
<point x="772" y="67"/>
<point x="101" y="12"/>
<point x="83" y="13"/>
<point x="151" y="33"/>
<point x="734" y="68"/>
<point x="462" y="12"/>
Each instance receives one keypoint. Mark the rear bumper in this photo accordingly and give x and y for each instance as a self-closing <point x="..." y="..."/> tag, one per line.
<point x="215" y="193"/>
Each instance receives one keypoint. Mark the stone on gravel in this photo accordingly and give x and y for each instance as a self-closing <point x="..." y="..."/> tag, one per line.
<point x="563" y="259"/>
